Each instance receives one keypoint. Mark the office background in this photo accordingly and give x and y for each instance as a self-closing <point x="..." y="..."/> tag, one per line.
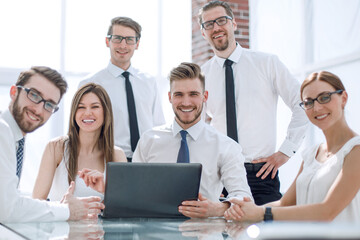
<point x="69" y="36"/>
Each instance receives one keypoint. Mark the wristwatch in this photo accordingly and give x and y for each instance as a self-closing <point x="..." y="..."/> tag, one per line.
<point x="268" y="214"/>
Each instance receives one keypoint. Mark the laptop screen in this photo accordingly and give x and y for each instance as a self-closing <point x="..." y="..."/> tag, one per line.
<point x="149" y="189"/>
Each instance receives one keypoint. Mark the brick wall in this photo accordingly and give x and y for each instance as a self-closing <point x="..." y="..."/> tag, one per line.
<point x="201" y="50"/>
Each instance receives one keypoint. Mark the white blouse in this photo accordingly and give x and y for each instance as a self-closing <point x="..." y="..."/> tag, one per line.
<point x="316" y="179"/>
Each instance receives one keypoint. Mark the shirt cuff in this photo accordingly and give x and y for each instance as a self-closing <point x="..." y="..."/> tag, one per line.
<point x="61" y="211"/>
<point x="288" y="148"/>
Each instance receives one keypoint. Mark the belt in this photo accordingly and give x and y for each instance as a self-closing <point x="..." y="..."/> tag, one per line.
<point x="253" y="167"/>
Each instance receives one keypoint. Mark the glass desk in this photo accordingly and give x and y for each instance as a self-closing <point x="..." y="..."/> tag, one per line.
<point x="131" y="228"/>
<point x="214" y="229"/>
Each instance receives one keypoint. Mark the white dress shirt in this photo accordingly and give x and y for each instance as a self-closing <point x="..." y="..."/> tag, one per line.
<point x="259" y="79"/>
<point x="221" y="157"/>
<point x="13" y="206"/>
<point x="147" y="101"/>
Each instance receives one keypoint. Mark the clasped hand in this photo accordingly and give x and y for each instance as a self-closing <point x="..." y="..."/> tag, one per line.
<point x="244" y="211"/>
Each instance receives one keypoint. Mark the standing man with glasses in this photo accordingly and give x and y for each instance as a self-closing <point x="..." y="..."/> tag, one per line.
<point x="34" y="98"/>
<point x="244" y="87"/>
<point x="134" y="95"/>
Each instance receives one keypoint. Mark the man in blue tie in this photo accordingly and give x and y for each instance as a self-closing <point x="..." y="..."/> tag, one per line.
<point x="34" y="98"/>
<point x="190" y="140"/>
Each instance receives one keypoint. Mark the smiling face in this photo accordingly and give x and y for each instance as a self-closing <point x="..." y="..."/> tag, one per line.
<point x="121" y="53"/>
<point x="221" y="38"/>
<point x="29" y="115"/>
<point x="90" y="113"/>
<point x="328" y="114"/>
<point x="187" y="97"/>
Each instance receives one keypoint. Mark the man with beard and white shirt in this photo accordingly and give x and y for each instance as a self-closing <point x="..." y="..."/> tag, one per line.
<point x="244" y="87"/>
<point x="190" y="140"/>
<point x="34" y="98"/>
<point x="134" y="94"/>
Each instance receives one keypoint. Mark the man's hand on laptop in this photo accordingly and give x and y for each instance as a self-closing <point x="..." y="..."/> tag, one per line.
<point x="203" y="208"/>
<point x="93" y="179"/>
<point x="81" y="208"/>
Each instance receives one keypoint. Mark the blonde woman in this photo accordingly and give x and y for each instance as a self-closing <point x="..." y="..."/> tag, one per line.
<point x="88" y="144"/>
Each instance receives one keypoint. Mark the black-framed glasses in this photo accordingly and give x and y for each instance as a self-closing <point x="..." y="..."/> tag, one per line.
<point x="220" y="21"/>
<point x="322" y="99"/>
<point x="117" y="39"/>
<point x="36" y="98"/>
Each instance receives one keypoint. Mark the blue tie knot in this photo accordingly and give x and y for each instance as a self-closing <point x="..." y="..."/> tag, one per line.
<point x="183" y="134"/>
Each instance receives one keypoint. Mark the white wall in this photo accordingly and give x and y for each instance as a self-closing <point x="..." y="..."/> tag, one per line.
<point x="70" y="37"/>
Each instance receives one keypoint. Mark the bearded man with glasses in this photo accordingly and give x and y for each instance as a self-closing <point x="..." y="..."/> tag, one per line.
<point x="134" y="94"/>
<point x="34" y="98"/>
<point x="244" y="87"/>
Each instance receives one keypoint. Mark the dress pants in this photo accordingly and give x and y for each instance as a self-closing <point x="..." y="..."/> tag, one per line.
<point x="263" y="190"/>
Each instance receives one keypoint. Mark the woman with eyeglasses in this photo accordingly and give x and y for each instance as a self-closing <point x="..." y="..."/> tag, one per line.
<point x="89" y="144"/>
<point x="327" y="185"/>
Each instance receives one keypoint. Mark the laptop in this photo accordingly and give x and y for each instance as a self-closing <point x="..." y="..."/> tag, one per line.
<point x="149" y="190"/>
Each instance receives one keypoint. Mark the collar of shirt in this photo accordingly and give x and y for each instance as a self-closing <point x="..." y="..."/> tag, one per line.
<point x="235" y="56"/>
<point x="9" y="119"/>
<point x="194" y="131"/>
<point x="116" y="71"/>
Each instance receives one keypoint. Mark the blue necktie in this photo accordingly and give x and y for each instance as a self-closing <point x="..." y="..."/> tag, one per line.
<point x="134" y="129"/>
<point x="230" y="101"/>
<point x="19" y="156"/>
<point x="183" y="156"/>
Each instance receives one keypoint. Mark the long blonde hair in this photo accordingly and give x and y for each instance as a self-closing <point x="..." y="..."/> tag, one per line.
<point x="106" y="138"/>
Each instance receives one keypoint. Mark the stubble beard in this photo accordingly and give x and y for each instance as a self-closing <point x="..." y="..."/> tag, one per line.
<point x="19" y="118"/>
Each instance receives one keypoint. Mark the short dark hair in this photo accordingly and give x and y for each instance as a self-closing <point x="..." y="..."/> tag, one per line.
<point x="126" y="22"/>
<point x="213" y="4"/>
<point x="49" y="73"/>
<point x="187" y="70"/>
<point x="325" y="76"/>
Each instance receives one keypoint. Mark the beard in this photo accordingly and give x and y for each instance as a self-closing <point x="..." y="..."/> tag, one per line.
<point x="221" y="46"/>
<point x="196" y="117"/>
<point x="18" y="115"/>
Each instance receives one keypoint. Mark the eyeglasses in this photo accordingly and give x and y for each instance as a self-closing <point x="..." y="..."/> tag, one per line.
<point x="220" y="21"/>
<point x="322" y="99"/>
<point x="36" y="98"/>
<point x="118" y="39"/>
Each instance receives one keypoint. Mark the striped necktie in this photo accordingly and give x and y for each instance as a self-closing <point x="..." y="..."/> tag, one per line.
<point x="19" y="156"/>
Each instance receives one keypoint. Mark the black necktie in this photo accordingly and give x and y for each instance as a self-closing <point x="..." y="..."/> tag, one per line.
<point x="230" y="101"/>
<point x="183" y="156"/>
<point x="134" y="129"/>
<point x="19" y="156"/>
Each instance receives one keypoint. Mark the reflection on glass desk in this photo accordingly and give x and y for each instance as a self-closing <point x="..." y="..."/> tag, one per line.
<point x="215" y="228"/>
<point x="131" y="228"/>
